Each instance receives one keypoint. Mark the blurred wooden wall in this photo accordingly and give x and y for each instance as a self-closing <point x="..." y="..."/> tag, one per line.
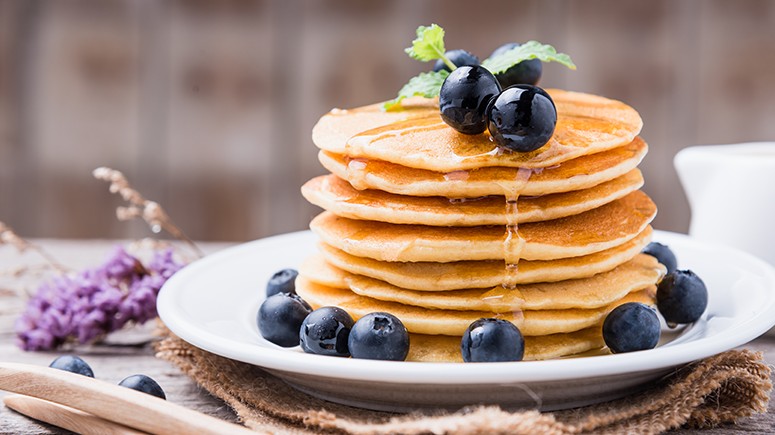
<point x="207" y="106"/>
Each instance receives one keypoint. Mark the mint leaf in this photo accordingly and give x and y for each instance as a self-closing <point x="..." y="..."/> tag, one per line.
<point x="526" y="51"/>
<point x="425" y="84"/>
<point x="429" y="45"/>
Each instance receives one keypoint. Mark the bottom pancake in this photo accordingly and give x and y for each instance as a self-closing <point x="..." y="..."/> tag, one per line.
<point x="445" y="348"/>
<point x="448" y="322"/>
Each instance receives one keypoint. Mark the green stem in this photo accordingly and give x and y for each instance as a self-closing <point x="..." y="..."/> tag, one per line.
<point x="446" y="61"/>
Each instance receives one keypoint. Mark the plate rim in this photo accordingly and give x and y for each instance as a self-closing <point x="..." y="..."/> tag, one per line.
<point x="279" y="359"/>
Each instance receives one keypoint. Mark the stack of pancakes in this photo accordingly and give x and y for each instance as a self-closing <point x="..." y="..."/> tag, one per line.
<point x="441" y="229"/>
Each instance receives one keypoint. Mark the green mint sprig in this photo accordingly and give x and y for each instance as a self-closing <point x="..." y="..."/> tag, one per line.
<point x="425" y="84"/>
<point x="526" y="51"/>
<point x="429" y="46"/>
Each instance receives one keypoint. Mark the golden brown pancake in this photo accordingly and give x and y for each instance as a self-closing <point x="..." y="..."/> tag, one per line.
<point x="430" y="276"/>
<point x="448" y="322"/>
<point x="338" y="196"/>
<point x="418" y="138"/>
<point x="593" y="292"/>
<point x="445" y="348"/>
<point x="592" y="231"/>
<point x="580" y="173"/>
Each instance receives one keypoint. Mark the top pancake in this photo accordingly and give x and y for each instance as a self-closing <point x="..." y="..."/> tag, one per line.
<point x="416" y="137"/>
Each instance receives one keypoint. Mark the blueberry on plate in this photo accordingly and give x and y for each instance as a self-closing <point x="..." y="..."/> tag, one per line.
<point x="630" y="327"/>
<point x="663" y="254"/>
<point x="464" y="97"/>
<point x="457" y="57"/>
<point x="379" y="336"/>
<point x="492" y="340"/>
<point x="72" y="363"/>
<point x="143" y="384"/>
<point x="522" y="118"/>
<point x="280" y="317"/>
<point x="527" y="72"/>
<point x="682" y="297"/>
<point x="283" y="281"/>
<point x="326" y="331"/>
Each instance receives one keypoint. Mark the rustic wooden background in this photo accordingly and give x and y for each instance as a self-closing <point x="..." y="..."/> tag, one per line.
<point x="207" y="106"/>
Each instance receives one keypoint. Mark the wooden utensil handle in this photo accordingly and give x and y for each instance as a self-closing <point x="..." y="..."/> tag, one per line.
<point x="111" y="402"/>
<point x="66" y="417"/>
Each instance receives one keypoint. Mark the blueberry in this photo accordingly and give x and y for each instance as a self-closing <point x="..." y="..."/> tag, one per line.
<point x="72" y="363"/>
<point x="522" y="118"/>
<point x="280" y="317"/>
<point x="283" y="281"/>
<point x="464" y="97"/>
<point x="663" y="254"/>
<point x="326" y="331"/>
<point x="459" y="58"/>
<point x="143" y="384"/>
<point x="630" y="327"/>
<point x="682" y="297"/>
<point x="379" y="336"/>
<point x="527" y="72"/>
<point x="492" y="340"/>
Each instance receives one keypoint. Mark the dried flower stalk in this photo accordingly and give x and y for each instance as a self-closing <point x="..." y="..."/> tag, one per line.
<point x="9" y="237"/>
<point x="139" y="207"/>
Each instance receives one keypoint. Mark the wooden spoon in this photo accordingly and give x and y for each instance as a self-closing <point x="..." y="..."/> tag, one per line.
<point x="66" y="417"/>
<point x="111" y="402"/>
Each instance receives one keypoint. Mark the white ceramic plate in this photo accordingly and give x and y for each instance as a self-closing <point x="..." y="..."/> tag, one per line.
<point x="213" y="302"/>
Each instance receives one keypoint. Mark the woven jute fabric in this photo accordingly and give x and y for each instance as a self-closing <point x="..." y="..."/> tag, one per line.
<point x="719" y="389"/>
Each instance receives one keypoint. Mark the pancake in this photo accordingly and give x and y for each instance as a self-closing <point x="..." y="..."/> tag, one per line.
<point x="431" y="276"/>
<point x="585" y="293"/>
<point x="447" y="322"/>
<point x="580" y="173"/>
<point x="338" y="196"/>
<point x="592" y="231"/>
<point x="445" y="348"/>
<point x="418" y="138"/>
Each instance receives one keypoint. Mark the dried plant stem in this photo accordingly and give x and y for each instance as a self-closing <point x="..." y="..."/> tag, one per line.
<point x="9" y="237"/>
<point x="139" y="207"/>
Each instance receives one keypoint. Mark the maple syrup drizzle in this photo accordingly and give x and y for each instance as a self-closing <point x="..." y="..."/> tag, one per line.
<point x="356" y="173"/>
<point x="514" y="243"/>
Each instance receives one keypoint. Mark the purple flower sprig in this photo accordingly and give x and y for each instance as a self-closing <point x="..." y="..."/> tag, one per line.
<point x="90" y="304"/>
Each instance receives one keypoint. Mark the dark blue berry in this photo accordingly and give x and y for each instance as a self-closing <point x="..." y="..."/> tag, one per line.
<point x="527" y="72"/>
<point x="682" y="297"/>
<point x="492" y="340"/>
<point x="379" y="336"/>
<point x="325" y="331"/>
<point x="143" y="384"/>
<point x="457" y="57"/>
<point x="72" y="363"/>
<point x="663" y="254"/>
<point x="283" y="281"/>
<point x="464" y="97"/>
<point x="280" y="317"/>
<point x="522" y="118"/>
<point x="630" y="327"/>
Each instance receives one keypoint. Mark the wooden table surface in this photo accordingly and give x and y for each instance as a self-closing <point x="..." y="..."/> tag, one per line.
<point x="129" y="352"/>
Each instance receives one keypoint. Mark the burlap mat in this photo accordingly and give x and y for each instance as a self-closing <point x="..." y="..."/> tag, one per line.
<point x="720" y="389"/>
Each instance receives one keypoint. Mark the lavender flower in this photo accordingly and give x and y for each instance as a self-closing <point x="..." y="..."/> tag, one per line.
<point x="94" y="302"/>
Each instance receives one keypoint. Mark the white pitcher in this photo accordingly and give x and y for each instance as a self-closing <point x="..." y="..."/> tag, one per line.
<point x="731" y="191"/>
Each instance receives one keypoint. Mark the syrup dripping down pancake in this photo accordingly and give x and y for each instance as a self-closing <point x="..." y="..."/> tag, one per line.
<point x="592" y="231"/>
<point x="448" y="322"/>
<point x="430" y="276"/>
<point x="576" y="174"/>
<point x="585" y="293"/>
<point x="339" y="197"/>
